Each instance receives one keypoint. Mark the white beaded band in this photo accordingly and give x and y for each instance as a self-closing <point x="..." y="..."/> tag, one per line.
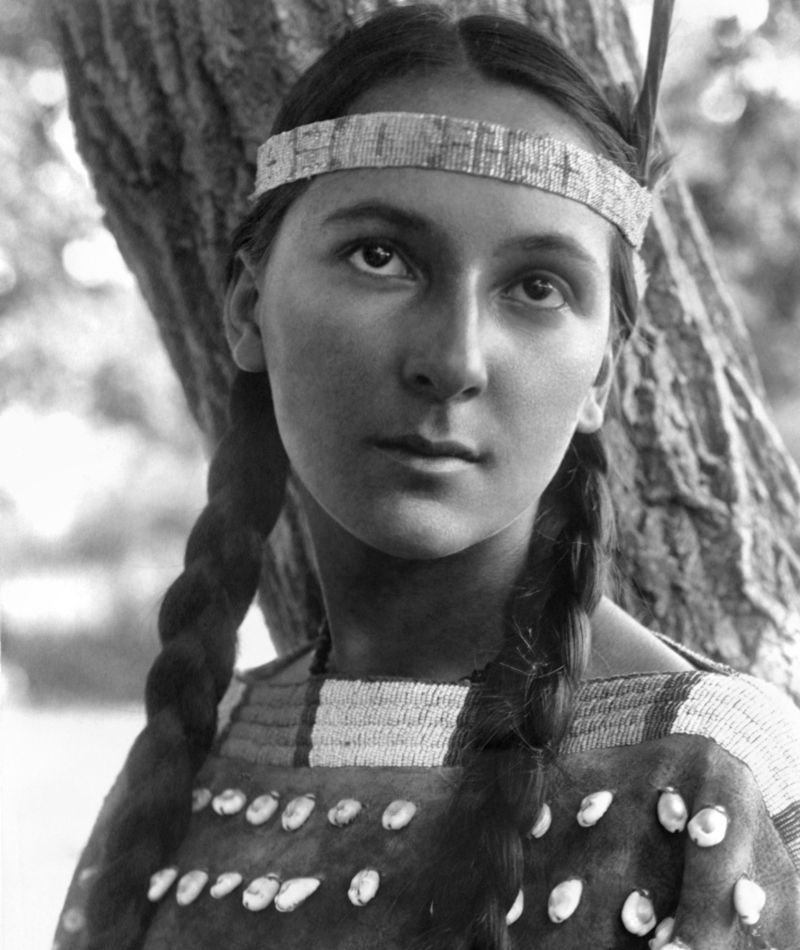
<point x="443" y="143"/>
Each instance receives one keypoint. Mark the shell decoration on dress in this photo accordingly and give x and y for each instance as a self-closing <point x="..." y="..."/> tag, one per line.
<point x="398" y="815"/>
<point x="229" y="802"/>
<point x="672" y="811"/>
<point x="73" y="920"/>
<point x="364" y="887"/>
<point x="190" y="886"/>
<point x="516" y="909"/>
<point x="294" y="892"/>
<point x="344" y="813"/>
<point x="86" y="875"/>
<point x="161" y="882"/>
<point x="663" y="934"/>
<point x="593" y="807"/>
<point x="261" y="809"/>
<point x="200" y="798"/>
<point x="261" y="892"/>
<point x="227" y="882"/>
<point x="564" y="900"/>
<point x="709" y="826"/>
<point x="638" y="913"/>
<point x="748" y="900"/>
<point x="296" y="813"/>
<point x="542" y="823"/>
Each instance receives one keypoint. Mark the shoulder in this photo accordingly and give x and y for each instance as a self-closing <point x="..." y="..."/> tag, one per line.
<point x="621" y="645"/>
<point x="703" y="769"/>
<point x="749" y="718"/>
<point x="719" y="743"/>
<point x="713" y="723"/>
<point x="679" y="692"/>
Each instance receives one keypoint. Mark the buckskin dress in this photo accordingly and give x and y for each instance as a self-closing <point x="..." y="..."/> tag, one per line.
<point x="319" y="802"/>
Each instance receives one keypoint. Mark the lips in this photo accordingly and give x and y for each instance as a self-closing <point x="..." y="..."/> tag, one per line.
<point x="427" y="448"/>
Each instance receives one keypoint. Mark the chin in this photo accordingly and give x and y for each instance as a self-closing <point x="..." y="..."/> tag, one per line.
<point x="423" y="540"/>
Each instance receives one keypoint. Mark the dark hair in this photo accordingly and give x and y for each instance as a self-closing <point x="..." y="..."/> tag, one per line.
<point x="526" y="702"/>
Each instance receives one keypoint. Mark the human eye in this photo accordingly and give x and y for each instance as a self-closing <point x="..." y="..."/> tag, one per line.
<point x="538" y="291"/>
<point x="378" y="258"/>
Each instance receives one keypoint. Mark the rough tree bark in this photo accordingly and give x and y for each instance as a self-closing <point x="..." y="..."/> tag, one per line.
<point x="171" y="99"/>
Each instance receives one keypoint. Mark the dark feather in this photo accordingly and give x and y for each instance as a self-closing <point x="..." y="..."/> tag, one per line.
<point x="645" y="112"/>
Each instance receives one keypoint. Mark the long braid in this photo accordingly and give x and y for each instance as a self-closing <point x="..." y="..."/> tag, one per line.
<point x="524" y="710"/>
<point x="199" y="617"/>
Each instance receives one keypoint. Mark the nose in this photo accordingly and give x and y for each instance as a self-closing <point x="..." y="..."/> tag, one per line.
<point x="445" y="359"/>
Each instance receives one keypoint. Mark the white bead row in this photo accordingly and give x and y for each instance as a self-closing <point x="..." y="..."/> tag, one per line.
<point x="638" y="913"/>
<point x="396" y="815"/>
<point x="261" y="891"/>
<point x="707" y="828"/>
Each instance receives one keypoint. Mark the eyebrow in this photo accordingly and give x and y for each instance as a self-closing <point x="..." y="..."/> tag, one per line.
<point x="378" y="209"/>
<point x="551" y="242"/>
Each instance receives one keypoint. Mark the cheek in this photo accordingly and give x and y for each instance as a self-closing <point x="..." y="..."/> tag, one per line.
<point x="543" y="411"/>
<point x="552" y="385"/>
<point x="320" y="367"/>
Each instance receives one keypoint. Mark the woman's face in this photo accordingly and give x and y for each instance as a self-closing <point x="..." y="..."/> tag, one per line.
<point x="434" y="339"/>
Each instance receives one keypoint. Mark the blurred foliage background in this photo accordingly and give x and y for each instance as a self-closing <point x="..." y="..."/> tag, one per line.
<point x="101" y="468"/>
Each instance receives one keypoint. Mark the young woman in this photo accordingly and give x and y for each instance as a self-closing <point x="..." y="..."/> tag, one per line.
<point x="425" y="307"/>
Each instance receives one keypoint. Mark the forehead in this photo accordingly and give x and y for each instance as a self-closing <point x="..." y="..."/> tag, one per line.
<point x="458" y="205"/>
<point x="467" y="96"/>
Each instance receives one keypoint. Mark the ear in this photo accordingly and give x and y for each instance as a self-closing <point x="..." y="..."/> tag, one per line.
<point x="593" y="411"/>
<point x="241" y="328"/>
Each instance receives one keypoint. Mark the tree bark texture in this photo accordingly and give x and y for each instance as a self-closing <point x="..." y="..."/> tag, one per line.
<point x="171" y="99"/>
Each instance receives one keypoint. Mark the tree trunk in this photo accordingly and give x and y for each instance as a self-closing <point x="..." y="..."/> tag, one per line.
<point x="171" y="99"/>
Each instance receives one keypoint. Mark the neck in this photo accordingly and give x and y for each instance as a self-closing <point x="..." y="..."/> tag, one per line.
<point x="438" y="619"/>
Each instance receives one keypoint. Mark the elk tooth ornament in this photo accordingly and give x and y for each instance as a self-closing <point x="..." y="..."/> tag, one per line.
<point x="294" y="892"/>
<point x="709" y="826"/>
<point x="398" y="815"/>
<point x="593" y="807"/>
<point x="225" y="883"/>
<point x="73" y="920"/>
<point x="345" y="812"/>
<point x="672" y="811"/>
<point x="364" y="887"/>
<point x="564" y="900"/>
<point x="297" y="811"/>
<point x="638" y="913"/>
<point x="200" y="798"/>
<point x="516" y="909"/>
<point x="161" y="882"/>
<point x="87" y="874"/>
<point x="261" y="809"/>
<point x="748" y="900"/>
<point x="261" y="892"/>
<point x="663" y="934"/>
<point x="229" y="802"/>
<point x="190" y="886"/>
<point x="543" y="822"/>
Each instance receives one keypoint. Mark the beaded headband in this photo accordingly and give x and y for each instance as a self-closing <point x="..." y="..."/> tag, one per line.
<point x="443" y="143"/>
